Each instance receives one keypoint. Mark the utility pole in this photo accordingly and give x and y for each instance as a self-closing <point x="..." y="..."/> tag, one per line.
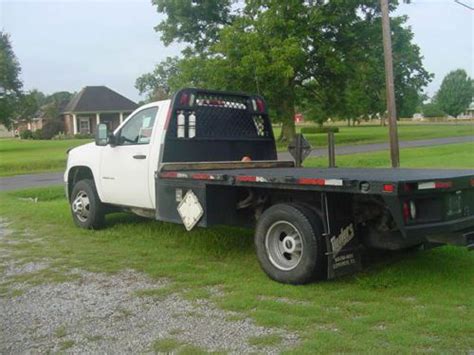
<point x="390" y="86"/>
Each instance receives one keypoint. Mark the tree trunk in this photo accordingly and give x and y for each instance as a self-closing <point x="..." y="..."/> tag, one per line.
<point x="287" y="110"/>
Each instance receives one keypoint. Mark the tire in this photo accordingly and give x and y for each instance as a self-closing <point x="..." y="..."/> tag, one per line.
<point x="289" y="244"/>
<point x="87" y="210"/>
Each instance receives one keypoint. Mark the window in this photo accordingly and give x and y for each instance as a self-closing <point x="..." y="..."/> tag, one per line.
<point x="138" y="128"/>
<point x="84" y="125"/>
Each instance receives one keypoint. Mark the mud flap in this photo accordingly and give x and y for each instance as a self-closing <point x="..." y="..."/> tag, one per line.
<point x="343" y="247"/>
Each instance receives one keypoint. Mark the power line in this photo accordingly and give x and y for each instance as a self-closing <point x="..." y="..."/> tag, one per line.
<point x="463" y="4"/>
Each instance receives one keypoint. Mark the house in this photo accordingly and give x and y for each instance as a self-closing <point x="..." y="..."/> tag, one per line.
<point x="93" y="105"/>
<point x="299" y="118"/>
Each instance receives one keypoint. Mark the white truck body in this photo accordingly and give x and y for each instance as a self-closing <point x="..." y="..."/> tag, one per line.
<point x="124" y="174"/>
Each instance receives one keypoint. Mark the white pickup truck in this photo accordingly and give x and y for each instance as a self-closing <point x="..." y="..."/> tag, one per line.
<point x="207" y="157"/>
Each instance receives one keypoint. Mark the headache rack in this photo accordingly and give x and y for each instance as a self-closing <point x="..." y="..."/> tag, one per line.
<point x="218" y="126"/>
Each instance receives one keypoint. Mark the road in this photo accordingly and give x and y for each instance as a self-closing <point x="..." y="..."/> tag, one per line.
<point x="56" y="178"/>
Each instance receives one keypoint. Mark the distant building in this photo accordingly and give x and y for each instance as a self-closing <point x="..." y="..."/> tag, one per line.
<point x="418" y="117"/>
<point x="93" y="105"/>
<point x="470" y="111"/>
<point x="299" y="118"/>
<point x="86" y="109"/>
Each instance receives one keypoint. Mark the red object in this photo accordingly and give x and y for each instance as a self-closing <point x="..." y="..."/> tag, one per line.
<point x="406" y="211"/>
<point x="200" y="176"/>
<point x="299" y="118"/>
<point x="169" y="175"/>
<point x="260" y="105"/>
<point x="443" y="184"/>
<point x="309" y="181"/>
<point x="472" y="181"/>
<point x="245" y="178"/>
<point x="183" y="100"/>
<point x="388" y="188"/>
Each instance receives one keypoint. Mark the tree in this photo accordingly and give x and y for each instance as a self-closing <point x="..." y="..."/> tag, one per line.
<point x="29" y="104"/>
<point x="455" y="93"/>
<point x="323" y="56"/>
<point x="156" y="84"/>
<point x="10" y="84"/>
<point x="432" y="109"/>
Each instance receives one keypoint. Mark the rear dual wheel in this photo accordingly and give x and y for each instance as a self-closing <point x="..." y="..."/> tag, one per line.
<point x="289" y="244"/>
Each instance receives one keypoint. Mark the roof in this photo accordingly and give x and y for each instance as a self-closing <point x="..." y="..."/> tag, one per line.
<point x="99" y="98"/>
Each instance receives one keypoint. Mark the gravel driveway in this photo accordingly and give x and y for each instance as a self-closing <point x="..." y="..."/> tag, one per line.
<point x="98" y="312"/>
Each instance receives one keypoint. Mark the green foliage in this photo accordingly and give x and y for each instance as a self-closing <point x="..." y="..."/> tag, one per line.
<point x="28" y="105"/>
<point x="323" y="129"/>
<point x="51" y="128"/>
<point x="10" y="84"/>
<point x="455" y="93"/>
<point x="432" y="109"/>
<point x="83" y="136"/>
<point x="38" y="134"/>
<point x="26" y="134"/>
<point x="156" y="84"/>
<point x="325" y="57"/>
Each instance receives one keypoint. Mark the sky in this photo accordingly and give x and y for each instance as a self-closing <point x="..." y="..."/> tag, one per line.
<point x="68" y="44"/>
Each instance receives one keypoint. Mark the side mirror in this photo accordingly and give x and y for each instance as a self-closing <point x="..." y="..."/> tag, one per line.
<point x="101" y="135"/>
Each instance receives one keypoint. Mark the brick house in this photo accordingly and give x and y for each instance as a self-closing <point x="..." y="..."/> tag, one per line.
<point x="93" y="105"/>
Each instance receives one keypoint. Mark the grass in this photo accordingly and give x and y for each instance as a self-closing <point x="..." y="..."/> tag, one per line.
<point x="444" y="156"/>
<point x="415" y="303"/>
<point x="265" y="340"/>
<point x="379" y="134"/>
<point x="28" y="156"/>
<point x="34" y="156"/>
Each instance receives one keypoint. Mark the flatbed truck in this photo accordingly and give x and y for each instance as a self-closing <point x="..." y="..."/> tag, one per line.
<point x="209" y="158"/>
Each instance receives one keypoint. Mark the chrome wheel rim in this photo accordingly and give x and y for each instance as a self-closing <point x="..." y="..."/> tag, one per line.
<point x="81" y="206"/>
<point x="284" y="245"/>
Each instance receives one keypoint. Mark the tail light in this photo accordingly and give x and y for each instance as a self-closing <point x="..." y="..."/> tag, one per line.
<point x="260" y="105"/>
<point x="409" y="211"/>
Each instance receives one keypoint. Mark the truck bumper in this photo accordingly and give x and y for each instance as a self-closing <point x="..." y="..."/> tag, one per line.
<point x="457" y="232"/>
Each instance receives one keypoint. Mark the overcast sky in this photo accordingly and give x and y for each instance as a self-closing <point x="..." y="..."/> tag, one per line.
<point x="68" y="44"/>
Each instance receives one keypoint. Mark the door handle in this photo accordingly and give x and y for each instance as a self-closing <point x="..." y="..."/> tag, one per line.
<point x="139" y="156"/>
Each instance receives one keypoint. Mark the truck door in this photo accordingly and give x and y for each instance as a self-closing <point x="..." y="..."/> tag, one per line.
<point x="125" y="168"/>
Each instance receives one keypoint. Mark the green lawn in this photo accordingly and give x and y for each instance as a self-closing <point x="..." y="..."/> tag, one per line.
<point x="378" y="134"/>
<point x="444" y="156"/>
<point x="34" y="156"/>
<point x="420" y="302"/>
<point x="27" y="156"/>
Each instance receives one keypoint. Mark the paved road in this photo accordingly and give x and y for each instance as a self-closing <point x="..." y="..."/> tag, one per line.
<point x="49" y="179"/>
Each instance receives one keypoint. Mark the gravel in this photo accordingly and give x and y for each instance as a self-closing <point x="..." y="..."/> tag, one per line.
<point x="99" y="312"/>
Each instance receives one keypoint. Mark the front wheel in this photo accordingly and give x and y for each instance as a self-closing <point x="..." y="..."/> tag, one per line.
<point x="289" y="244"/>
<point x="86" y="208"/>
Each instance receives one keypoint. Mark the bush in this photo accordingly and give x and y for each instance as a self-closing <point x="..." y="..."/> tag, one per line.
<point x="314" y="130"/>
<point x="61" y="136"/>
<point x="83" y="136"/>
<point x="38" y="134"/>
<point x="26" y="134"/>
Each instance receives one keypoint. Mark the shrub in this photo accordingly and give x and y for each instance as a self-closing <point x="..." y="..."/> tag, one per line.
<point x="83" y="136"/>
<point x="314" y="130"/>
<point x="38" y="134"/>
<point x="26" y="134"/>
